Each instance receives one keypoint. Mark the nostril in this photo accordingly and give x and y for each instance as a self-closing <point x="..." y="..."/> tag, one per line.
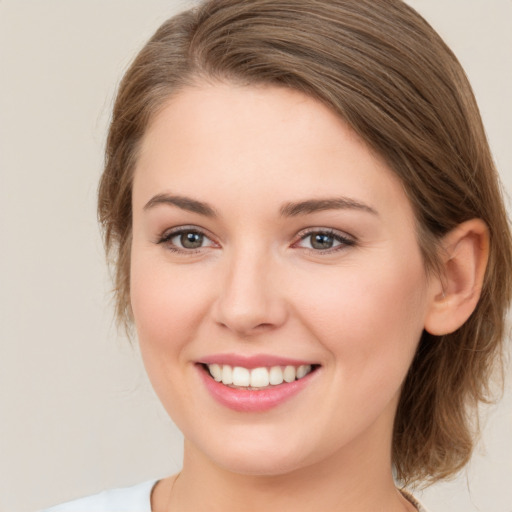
<point x="248" y="302"/>
<point x="248" y="330"/>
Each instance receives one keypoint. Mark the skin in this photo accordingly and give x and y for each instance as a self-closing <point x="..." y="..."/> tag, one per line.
<point x="257" y="287"/>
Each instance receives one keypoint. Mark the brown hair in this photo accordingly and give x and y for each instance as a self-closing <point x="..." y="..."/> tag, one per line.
<point x="387" y="73"/>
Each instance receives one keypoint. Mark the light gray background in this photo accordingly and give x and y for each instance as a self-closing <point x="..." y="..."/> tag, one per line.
<point x="76" y="412"/>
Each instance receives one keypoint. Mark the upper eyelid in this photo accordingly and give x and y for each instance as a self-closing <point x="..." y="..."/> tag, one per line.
<point x="303" y="233"/>
<point x="166" y="233"/>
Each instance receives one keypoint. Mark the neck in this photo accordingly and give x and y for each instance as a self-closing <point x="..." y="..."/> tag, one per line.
<point x="357" y="477"/>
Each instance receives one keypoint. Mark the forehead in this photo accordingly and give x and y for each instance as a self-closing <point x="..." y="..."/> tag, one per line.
<point x="257" y="142"/>
<point x="248" y="114"/>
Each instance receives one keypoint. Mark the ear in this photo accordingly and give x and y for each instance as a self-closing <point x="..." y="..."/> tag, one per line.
<point x="455" y="292"/>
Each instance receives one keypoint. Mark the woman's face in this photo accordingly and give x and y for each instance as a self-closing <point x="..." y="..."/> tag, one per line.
<point x="266" y="235"/>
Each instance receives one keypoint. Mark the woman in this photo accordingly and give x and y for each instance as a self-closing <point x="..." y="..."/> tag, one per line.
<point x="311" y="243"/>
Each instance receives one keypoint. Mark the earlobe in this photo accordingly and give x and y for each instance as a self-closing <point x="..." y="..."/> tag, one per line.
<point x="456" y="291"/>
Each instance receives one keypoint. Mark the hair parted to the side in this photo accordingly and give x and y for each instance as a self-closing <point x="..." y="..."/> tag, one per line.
<point x="386" y="72"/>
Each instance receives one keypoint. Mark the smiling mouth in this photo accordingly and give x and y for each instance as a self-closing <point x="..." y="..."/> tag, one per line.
<point x="257" y="379"/>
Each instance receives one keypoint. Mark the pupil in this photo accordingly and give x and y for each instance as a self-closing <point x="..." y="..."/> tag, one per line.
<point x="191" y="240"/>
<point x="321" y="241"/>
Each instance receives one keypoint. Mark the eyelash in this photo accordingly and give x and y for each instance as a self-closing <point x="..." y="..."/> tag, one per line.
<point x="343" y="240"/>
<point x="167" y="236"/>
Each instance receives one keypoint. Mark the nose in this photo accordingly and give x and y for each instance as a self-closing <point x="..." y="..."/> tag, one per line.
<point x="251" y="298"/>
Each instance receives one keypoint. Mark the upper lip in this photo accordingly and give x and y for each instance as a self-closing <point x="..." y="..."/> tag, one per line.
<point x="254" y="361"/>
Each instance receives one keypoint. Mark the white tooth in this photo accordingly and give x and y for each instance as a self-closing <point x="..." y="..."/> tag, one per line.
<point x="303" y="370"/>
<point x="241" y="376"/>
<point x="275" y="375"/>
<point x="227" y="374"/>
<point x="259" y="378"/>
<point x="215" y="371"/>
<point x="289" y="374"/>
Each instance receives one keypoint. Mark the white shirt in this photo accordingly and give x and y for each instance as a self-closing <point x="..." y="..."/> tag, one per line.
<point x="136" y="498"/>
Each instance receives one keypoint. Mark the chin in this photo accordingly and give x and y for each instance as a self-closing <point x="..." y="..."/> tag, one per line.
<point x="269" y="459"/>
<point x="256" y="466"/>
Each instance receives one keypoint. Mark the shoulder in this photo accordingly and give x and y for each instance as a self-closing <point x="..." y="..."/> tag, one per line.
<point x="136" y="498"/>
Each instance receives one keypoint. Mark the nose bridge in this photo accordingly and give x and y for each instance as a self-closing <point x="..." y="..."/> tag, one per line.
<point x="249" y="300"/>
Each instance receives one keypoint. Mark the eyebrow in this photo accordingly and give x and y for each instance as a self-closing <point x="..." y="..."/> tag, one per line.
<point x="185" y="203"/>
<point x="317" y="205"/>
<point x="292" y="209"/>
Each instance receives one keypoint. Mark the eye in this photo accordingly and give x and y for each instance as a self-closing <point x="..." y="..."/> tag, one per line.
<point x="324" y="240"/>
<point x="185" y="239"/>
<point x="321" y="241"/>
<point x="188" y="240"/>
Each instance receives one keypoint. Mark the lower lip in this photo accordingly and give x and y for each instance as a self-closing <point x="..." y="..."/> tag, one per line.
<point x="244" y="400"/>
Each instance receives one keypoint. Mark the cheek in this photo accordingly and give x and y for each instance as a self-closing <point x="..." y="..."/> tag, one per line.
<point x="167" y="309"/>
<point x="370" y="318"/>
<point x="167" y="302"/>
